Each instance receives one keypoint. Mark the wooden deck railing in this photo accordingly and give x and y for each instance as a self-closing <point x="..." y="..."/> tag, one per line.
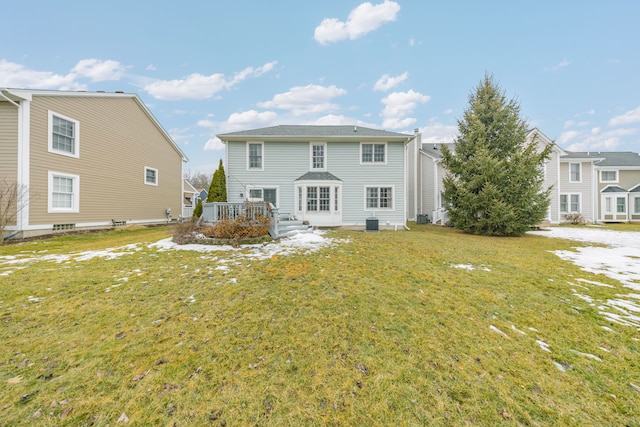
<point x="215" y="212"/>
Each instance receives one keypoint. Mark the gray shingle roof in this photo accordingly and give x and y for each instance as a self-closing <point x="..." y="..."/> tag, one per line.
<point x="318" y="176"/>
<point x="314" y="131"/>
<point x="609" y="159"/>
<point x="614" y="189"/>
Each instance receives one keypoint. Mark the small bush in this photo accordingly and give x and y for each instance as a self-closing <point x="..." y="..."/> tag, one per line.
<point x="574" y="218"/>
<point x="242" y="228"/>
<point x="185" y="231"/>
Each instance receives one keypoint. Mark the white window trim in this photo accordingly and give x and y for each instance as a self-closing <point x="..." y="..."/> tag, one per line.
<point x="146" y="168"/>
<point x="626" y="204"/>
<point x="608" y="210"/>
<point x="249" y="143"/>
<point x="76" y="135"/>
<point x="610" y="181"/>
<point x="373" y="162"/>
<point x="75" y="208"/>
<point x="262" y="188"/>
<point x="569" y="211"/>
<point x="634" y="198"/>
<point x="378" y="186"/>
<point x="580" y="171"/>
<point x="311" y="168"/>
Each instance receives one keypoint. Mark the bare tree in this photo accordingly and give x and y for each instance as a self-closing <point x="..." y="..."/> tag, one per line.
<point x="13" y="199"/>
<point x="199" y="180"/>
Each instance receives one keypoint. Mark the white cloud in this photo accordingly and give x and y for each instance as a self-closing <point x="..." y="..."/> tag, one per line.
<point x="437" y="133"/>
<point x="594" y="139"/>
<point x="17" y="76"/>
<point x="400" y="104"/>
<point x="251" y="119"/>
<point x="98" y="70"/>
<point x="310" y="99"/>
<point x="151" y="67"/>
<point x="387" y="82"/>
<point x="198" y="86"/>
<point x="562" y="64"/>
<point x="629" y="117"/>
<point x="571" y="123"/>
<point x="214" y="144"/>
<point x="363" y="19"/>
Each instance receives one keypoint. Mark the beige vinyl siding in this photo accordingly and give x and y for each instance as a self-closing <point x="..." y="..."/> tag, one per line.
<point x="584" y="188"/>
<point x="117" y="139"/>
<point x="8" y="144"/>
<point x="8" y="141"/>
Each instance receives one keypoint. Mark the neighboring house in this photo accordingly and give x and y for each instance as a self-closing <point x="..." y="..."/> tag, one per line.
<point x="326" y="175"/>
<point x="88" y="160"/>
<point x="600" y="187"/>
<point x="618" y="175"/>
<point x="190" y="199"/>
<point x="202" y="195"/>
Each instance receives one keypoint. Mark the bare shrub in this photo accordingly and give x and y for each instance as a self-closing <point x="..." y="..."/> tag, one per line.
<point x="574" y="218"/>
<point x="13" y="199"/>
<point x="242" y="227"/>
<point x="185" y="231"/>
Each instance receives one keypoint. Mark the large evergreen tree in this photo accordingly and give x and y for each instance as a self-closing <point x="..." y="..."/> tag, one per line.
<point x="218" y="187"/>
<point x="494" y="175"/>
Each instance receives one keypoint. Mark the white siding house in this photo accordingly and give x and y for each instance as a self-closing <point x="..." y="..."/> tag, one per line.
<point x="326" y="175"/>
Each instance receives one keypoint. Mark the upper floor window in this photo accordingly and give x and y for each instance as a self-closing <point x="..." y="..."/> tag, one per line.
<point x="575" y="172"/>
<point x="318" y="156"/>
<point x="255" y="155"/>
<point x="150" y="176"/>
<point x="63" y="135"/>
<point x="64" y="192"/>
<point x="608" y="176"/>
<point x="373" y="153"/>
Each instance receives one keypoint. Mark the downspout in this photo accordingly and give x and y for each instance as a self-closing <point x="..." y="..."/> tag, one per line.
<point x="406" y="189"/>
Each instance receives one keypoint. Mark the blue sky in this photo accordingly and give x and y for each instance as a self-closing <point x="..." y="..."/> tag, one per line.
<point x="210" y="67"/>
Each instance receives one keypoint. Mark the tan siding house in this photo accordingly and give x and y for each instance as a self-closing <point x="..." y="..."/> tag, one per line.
<point x="88" y="159"/>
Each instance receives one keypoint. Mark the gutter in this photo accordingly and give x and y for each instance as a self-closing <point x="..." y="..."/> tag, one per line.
<point x="7" y="98"/>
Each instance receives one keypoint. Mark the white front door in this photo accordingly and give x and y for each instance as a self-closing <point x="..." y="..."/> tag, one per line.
<point x="319" y="203"/>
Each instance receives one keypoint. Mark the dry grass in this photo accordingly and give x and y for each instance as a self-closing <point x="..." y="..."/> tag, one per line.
<point x="382" y="330"/>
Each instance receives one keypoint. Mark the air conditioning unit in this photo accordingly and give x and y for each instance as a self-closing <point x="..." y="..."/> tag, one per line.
<point x="372" y="224"/>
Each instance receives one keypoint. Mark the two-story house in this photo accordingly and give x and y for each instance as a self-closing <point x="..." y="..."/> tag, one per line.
<point x="86" y="160"/>
<point x="600" y="187"/>
<point x="326" y="175"/>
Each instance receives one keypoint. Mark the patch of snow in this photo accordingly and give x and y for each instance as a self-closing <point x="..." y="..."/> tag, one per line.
<point x="543" y="345"/>
<point x="494" y="329"/>
<point x="590" y="356"/>
<point x="559" y="366"/>
<point x="468" y="267"/>
<point x="518" y="330"/>
<point x="591" y="282"/>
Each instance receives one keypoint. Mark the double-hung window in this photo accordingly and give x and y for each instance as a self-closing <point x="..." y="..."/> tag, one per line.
<point x="570" y="203"/>
<point x="621" y="205"/>
<point x="255" y="156"/>
<point x="373" y="153"/>
<point x="64" y="193"/>
<point x="318" y="199"/>
<point x="608" y="176"/>
<point x="64" y="135"/>
<point x="150" y="176"/>
<point x="575" y="172"/>
<point x="636" y="205"/>
<point x="318" y="152"/>
<point x="379" y="198"/>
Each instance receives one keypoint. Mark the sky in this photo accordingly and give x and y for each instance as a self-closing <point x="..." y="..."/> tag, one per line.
<point x="209" y="67"/>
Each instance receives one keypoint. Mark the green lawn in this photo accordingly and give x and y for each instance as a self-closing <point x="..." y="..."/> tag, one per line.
<point x="425" y="327"/>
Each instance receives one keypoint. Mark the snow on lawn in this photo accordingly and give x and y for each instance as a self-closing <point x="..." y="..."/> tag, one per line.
<point x="297" y="243"/>
<point x="617" y="258"/>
